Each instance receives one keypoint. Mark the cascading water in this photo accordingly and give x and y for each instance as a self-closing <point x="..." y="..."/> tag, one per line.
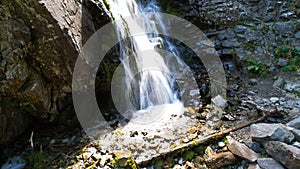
<point x="144" y="83"/>
<point x="151" y="84"/>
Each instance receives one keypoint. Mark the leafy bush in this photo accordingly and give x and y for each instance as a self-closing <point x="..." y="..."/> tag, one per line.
<point x="256" y="68"/>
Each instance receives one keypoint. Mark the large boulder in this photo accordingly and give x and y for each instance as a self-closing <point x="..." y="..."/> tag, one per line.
<point x="39" y="44"/>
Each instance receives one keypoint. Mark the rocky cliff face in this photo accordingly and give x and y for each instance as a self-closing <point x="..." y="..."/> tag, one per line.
<point x="243" y="28"/>
<point x="39" y="44"/>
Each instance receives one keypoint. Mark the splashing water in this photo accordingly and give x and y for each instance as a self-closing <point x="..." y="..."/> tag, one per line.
<point x="153" y="84"/>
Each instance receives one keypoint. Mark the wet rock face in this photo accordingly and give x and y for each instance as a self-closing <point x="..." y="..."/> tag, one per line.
<point x="39" y="44"/>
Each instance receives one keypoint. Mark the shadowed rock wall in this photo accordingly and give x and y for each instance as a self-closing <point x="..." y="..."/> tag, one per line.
<point x="39" y="44"/>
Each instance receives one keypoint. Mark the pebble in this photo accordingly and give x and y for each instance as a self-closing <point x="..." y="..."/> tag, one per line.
<point x="52" y="141"/>
<point x="194" y="92"/>
<point x="221" y="144"/>
<point x="177" y="167"/>
<point x="229" y="117"/>
<point x="251" y="92"/>
<point x="296" y="144"/>
<point x="65" y="140"/>
<point x="253" y="82"/>
<point x="274" y="99"/>
<point x="282" y="62"/>
<point x="254" y="167"/>
<point x="219" y="101"/>
<point x="180" y="161"/>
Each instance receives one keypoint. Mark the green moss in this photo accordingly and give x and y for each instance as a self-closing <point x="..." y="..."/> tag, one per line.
<point x="189" y="155"/>
<point x="159" y="164"/>
<point x="200" y="149"/>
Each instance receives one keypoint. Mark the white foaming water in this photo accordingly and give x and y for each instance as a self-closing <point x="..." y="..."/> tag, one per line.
<point x="147" y="74"/>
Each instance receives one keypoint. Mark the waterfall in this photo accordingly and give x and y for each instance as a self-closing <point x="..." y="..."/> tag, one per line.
<point x="148" y="77"/>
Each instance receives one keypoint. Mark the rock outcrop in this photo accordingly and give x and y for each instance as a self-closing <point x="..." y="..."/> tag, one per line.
<point x="242" y="28"/>
<point x="39" y="44"/>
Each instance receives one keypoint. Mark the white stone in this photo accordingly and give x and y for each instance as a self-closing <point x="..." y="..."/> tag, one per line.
<point x="274" y="99"/>
<point x="194" y="92"/>
<point x="219" y="101"/>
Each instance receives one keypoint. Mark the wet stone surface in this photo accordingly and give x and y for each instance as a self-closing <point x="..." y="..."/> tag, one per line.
<point x="146" y="141"/>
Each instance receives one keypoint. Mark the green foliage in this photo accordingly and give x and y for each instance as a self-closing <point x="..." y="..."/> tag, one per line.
<point x="254" y="28"/>
<point x="200" y="149"/>
<point x="291" y="54"/>
<point x="189" y="155"/>
<point x="281" y="52"/>
<point x="159" y="164"/>
<point x="249" y="46"/>
<point x="297" y="93"/>
<point x="256" y="68"/>
<point x="263" y="155"/>
<point x="37" y="159"/>
<point x="224" y="140"/>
